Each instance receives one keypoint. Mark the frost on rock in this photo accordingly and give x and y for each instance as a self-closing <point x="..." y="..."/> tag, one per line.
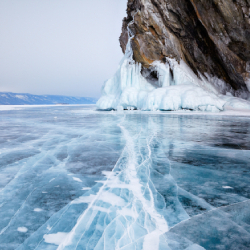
<point x="176" y="88"/>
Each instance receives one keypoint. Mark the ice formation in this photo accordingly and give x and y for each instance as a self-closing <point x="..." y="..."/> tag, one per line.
<point x="177" y="88"/>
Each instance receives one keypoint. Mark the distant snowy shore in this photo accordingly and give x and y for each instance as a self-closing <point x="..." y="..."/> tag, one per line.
<point x="9" y="98"/>
<point x="18" y="107"/>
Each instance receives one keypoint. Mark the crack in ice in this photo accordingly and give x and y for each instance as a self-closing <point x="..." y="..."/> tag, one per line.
<point x="141" y="203"/>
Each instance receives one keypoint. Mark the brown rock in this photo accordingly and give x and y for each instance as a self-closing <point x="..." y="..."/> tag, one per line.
<point x="211" y="36"/>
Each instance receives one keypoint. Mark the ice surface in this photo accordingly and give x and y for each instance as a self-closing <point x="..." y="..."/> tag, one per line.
<point x="123" y="180"/>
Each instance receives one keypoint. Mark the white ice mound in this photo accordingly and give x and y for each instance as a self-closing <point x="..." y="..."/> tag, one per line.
<point x="129" y="89"/>
<point x="235" y="103"/>
<point x="176" y="88"/>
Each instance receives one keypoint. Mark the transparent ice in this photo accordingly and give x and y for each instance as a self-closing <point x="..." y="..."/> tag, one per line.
<point x="76" y="178"/>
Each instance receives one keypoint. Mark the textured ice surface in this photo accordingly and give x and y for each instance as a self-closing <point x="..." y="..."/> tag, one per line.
<point x="123" y="180"/>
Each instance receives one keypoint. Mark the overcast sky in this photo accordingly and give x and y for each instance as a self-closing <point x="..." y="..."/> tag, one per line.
<point x="64" y="47"/>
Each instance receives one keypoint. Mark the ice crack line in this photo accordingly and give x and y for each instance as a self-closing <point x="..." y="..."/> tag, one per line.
<point x="70" y="236"/>
<point x="151" y="240"/>
<point x="132" y="203"/>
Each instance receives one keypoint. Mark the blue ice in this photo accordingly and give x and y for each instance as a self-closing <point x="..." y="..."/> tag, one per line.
<point x="123" y="180"/>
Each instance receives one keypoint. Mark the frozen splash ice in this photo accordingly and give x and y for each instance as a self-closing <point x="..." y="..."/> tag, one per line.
<point x="177" y="88"/>
<point x="129" y="89"/>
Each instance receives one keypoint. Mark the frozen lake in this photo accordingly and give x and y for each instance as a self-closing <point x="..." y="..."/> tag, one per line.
<point x="74" y="178"/>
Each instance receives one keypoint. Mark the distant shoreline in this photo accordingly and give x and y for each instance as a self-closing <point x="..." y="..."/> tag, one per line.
<point x="9" y="98"/>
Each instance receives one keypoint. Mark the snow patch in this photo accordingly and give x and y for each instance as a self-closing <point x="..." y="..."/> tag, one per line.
<point x="77" y="179"/>
<point x="22" y="229"/>
<point x="55" y="239"/>
<point x="8" y="107"/>
<point x="23" y="97"/>
<point x="227" y="187"/>
<point x="38" y="210"/>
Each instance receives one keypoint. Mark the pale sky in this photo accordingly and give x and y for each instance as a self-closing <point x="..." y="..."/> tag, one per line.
<point x="64" y="47"/>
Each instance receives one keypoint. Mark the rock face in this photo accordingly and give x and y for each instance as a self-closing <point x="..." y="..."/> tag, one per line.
<point x="211" y="36"/>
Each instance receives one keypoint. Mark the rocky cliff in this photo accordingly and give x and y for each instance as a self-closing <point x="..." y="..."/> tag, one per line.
<point x="182" y="55"/>
<point x="211" y="36"/>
